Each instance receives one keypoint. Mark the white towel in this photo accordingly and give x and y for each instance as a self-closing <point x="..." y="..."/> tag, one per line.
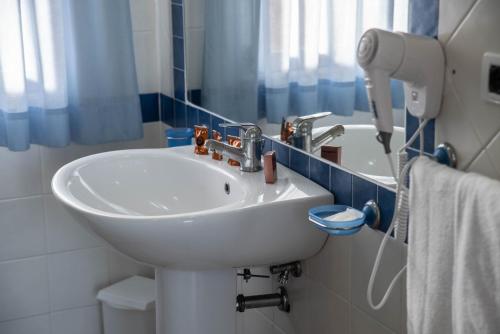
<point x="453" y="279"/>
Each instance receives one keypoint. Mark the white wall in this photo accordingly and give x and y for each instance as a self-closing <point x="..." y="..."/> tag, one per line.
<point x="468" y="29"/>
<point x="331" y="295"/>
<point x="50" y="267"/>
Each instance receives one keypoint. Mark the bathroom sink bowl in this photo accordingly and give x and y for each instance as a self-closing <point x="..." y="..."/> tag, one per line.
<point x="362" y="153"/>
<point x="171" y="208"/>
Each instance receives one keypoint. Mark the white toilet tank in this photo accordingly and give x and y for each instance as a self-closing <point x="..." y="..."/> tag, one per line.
<point x="128" y="307"/>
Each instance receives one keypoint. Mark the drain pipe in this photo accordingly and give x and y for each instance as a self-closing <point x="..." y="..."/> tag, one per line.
<point x="279" y="300"/>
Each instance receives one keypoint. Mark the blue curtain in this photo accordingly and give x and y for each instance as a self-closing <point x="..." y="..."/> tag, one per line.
<point x="275" y="58"/>
<point x="69" y="74"/>
<point x="230" y="58"/>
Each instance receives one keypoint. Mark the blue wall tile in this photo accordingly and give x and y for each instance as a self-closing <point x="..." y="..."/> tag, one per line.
<point x="268" y="145"/>
<point x="299" y="162"/>
<point x="204" y="118"/>
<point x="179" y="85"/>
<point x="150" y="107"/>
<point x="386" y="201"/>
<point x="233" y="131"/>
<point x="362" y="192"/>
<point x="215" y="126"/>
<point x="180" y="114"/>
<point x="282" y="153"/>
<point x="177" y="1"/>
<point x="177" y="21"/>
<point x="341" y="186"/>
<point x="178" y="44"/>
<point x="319" y="172"/>
<point x="167" y="110"/>
<point x="191" y="116"/>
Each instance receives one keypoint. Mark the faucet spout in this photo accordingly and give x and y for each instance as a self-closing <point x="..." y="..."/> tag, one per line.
<point x="334" y="132"/>
<point x="232" y="152"/>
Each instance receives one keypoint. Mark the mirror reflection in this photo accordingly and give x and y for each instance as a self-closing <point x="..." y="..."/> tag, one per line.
<point x="290" y="67"/>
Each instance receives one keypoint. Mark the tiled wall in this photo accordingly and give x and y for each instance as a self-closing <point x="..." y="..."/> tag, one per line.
<point x="50" y="267"/>
<point x="468" y="29"/>
<point x="330" y="297"/>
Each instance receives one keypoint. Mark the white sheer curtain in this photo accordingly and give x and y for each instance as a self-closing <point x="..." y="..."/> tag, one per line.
<point x="66" y="73"/>
<point x="307" y="52"/>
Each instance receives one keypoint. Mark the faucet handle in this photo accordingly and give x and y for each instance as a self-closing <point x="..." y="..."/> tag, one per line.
<point x="250" y="130"/>
<point x="308" y="119"/>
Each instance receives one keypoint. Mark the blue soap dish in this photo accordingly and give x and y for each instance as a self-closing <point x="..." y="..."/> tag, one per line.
<point x="370" y="215"/>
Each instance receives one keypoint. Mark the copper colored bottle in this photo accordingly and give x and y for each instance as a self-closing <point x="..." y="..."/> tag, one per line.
<point x="200" y="137"/>
<point x="270" y="172"/>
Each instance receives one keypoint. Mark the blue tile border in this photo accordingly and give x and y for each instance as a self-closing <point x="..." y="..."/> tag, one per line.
<point x="180" y="114"/>
<point x="319" y="172"/>
<point x="167" y="109"/>
<point x="362" y="192"/>
<point x="341" y="186"/>
<point x="282" y="153"/>
<point x="179" y="85"/>
<point x="178" y="45"/>
<point x="299" y="162"/>
<point x="150" y="109"/>
<point x="177" y="20"/>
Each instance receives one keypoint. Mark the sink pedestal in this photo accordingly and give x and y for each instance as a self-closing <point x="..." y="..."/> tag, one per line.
<point x="195" y="302"/>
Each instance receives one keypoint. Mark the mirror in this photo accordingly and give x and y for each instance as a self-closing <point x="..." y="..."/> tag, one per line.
<point x="276" y="62"/>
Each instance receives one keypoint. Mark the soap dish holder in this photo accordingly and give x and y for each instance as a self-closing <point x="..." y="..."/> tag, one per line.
<point x="369" y="215"/>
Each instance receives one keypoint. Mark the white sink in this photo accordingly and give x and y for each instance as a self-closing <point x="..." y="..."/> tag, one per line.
<point x="362" y="153"/>
<point x="187" y="214"/>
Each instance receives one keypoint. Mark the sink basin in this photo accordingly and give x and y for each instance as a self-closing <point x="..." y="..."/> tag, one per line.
<point x="196" y="220"/>
<point x="363" y="154"/>
<point x="171" y="208"/>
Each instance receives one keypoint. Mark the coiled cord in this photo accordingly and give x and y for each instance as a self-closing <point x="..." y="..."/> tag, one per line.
<point x="399" y="222"/>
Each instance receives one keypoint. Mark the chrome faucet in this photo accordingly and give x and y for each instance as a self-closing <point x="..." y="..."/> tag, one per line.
<point x="302" y="128"/>
<point x="249" y="154"/>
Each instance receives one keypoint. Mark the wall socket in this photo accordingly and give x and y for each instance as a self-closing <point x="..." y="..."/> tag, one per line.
<point x="490" y="77"/>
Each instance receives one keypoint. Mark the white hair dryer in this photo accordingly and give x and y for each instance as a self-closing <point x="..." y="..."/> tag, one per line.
<point x="416" y="60"/>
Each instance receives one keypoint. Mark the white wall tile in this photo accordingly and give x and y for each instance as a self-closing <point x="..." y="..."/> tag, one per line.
<point x="194" y="57"/>
<point x="483" y="165"/>
<point x="362" y="323"/>
<point x="23" y="288"/>
<point x="464" y="53"/>
<point x="64" y="232"/>
<point x="327" y="312"/>
<point x="76" y="277"/>
<point x="493" y="150"/>
<point x="256" y="323"/>
<point x="32" y="325"/>
<point x="86" y="320"/>
<point x="195" y="10"/>
<point x="295" y="322"/>
<point x="22" y="231"/>
<point x="257" y="286"/>
<point x="452" y="12"/>
<point x="165" y="47"/>
<point x="20" y="173"/>
<point x="453" y="126"/>
<point x="146" y="61"/>
<point x="143" y="15"/>
<point x="331" y="266"/>
<point x="121" y="267"/>
<point x="365" y="245"/>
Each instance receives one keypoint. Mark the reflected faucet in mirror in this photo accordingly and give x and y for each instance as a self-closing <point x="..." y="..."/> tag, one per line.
<point x="249" y="154"/>
<point x="299" y="133"/>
